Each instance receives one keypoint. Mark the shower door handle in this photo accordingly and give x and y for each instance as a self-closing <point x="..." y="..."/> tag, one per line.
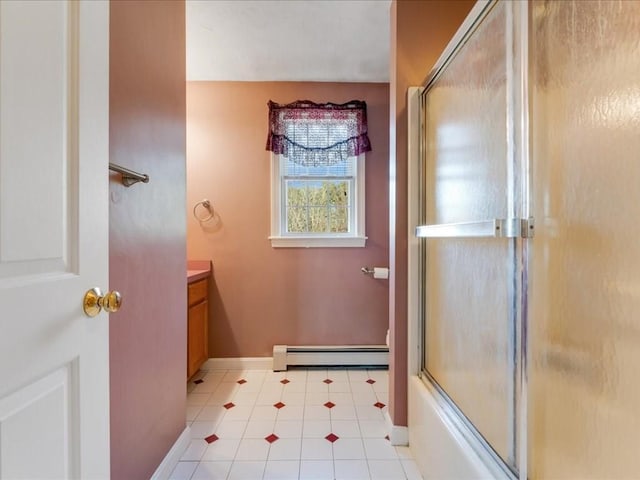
<point x="496" y="228"/>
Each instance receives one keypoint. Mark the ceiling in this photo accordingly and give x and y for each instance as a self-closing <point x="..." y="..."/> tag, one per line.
<point x="288" y="40"/>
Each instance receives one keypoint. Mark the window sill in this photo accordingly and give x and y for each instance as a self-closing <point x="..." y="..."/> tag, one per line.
<point x="318" y="242"/>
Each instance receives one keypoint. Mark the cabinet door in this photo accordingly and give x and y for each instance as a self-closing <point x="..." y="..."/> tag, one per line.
<point x="197" y="333"/>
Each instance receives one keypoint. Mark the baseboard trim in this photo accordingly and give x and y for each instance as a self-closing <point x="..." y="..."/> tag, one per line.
<point x="163" y="472"/>
<point x="398" y="435"/>
<point x="239" y="363"/>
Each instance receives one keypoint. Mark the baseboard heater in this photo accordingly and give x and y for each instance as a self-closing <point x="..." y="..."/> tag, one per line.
<point x="374" y="356"/>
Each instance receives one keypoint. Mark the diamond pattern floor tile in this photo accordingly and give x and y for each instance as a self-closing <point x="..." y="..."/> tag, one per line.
<point x="307" y="425"/>
<point x="332" y="437"/>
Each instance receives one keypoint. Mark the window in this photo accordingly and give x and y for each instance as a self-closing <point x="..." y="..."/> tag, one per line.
<point x="317" y="206"/>
<point x="317" y="180"/>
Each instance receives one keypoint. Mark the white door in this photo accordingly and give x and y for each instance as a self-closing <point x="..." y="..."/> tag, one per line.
<point x="54" y="382"/>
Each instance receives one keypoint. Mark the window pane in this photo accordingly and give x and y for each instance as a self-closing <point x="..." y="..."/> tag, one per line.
<point x="317" y="206"/>
<point x="297" y="220"/>
<point x="297" y="194"/>
<point x="317" y="192"/>
<point x="338" y="193"/>
<point x="318" y="219"/>
<point x="338" y="219"/>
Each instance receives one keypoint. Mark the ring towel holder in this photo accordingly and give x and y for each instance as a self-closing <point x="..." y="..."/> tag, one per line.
<point x="200" y="214"/>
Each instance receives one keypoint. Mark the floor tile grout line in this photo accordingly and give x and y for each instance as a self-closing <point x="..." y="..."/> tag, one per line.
<point x="234" y="460"/>
<point x="305" y="406"/>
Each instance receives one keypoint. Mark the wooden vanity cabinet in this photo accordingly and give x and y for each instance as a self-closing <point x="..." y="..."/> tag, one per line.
<point x="197" y="325"/>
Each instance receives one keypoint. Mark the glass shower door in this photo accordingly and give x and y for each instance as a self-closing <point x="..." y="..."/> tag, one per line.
<point x="472" y="202"/>
<point x="585" y="332"/>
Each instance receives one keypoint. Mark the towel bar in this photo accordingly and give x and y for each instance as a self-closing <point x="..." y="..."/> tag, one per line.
<point x="129" y="177"/>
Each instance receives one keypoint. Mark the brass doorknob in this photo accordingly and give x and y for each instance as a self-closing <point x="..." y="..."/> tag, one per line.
<point x="95" y="301"/>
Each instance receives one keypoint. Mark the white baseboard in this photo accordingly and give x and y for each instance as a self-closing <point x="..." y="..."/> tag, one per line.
<point x="163" y="472"/>
<point x="239" y="363"/>
<point x="398" y="435"/>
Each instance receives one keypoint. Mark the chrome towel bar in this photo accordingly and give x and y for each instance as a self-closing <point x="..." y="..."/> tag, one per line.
<point x="129" y="177"/>
<point x="496" y="228"/>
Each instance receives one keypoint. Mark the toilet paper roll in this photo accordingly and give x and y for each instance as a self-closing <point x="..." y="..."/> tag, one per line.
<point x="380" y="272"/>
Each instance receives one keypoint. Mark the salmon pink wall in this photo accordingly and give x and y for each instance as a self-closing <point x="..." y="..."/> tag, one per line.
<point x="147" y="234"/>
<point x="420" y="31"/>
<point x="263" y="296"/>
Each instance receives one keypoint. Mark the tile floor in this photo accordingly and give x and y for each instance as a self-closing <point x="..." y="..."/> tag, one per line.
<point x="300" y="424"/>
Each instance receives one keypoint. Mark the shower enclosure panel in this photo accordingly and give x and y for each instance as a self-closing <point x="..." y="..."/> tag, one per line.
<point x="585" y="298"/>
<point x="557" y="82"/>
<point x="472" y="198"/>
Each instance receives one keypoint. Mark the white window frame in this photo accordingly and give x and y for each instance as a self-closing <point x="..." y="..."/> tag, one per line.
<point x="280" y="239"/>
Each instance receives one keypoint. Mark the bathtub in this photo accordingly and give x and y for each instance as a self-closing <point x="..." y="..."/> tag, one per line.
<point x="440" y="447"/>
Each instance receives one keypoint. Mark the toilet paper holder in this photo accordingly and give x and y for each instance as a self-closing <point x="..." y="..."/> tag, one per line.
<point x="376" y="272"/>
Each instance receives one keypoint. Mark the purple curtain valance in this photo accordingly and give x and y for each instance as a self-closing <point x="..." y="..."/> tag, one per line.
<point x="314" y="134"/>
